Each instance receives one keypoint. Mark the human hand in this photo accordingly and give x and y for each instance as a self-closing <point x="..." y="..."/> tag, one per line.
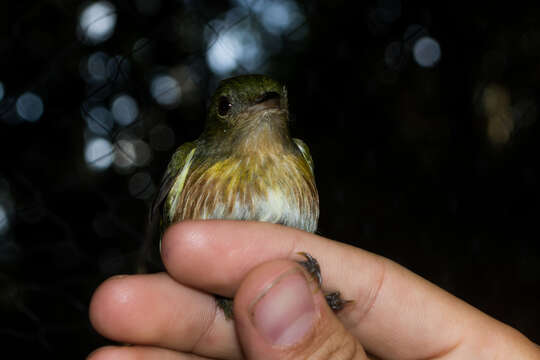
<point x="279" y="312"/>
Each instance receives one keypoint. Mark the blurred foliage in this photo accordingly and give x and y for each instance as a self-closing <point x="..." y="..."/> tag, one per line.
<point x="433" y="167"/>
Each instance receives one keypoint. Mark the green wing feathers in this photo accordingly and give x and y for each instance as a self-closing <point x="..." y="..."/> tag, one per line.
<point x="179" y="165"/>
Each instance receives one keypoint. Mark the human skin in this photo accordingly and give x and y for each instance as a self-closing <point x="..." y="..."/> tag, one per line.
<point x="394" y="313"/>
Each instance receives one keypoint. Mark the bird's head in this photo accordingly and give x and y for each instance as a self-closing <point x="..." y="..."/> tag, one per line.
<point x="246" y="101"/>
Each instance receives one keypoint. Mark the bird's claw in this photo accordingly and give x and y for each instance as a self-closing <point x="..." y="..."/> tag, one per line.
<point x="313" y="268"/>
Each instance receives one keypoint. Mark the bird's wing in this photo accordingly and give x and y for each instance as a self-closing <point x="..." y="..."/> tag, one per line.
<point x="305" y="151"/>
<point x="173" y="180"/>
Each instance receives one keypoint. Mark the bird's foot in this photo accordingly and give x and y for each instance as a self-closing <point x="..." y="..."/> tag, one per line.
<point x="226" y="305"/>
<point x="312" y="266"/>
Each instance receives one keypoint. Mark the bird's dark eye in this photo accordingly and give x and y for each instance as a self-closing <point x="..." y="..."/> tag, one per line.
<point x="224" y="106"/>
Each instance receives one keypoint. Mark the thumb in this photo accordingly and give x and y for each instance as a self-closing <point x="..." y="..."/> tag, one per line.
<point x="280" y="313"/>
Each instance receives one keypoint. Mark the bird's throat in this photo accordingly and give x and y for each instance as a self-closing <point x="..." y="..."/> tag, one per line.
<point x="265" y="133"/>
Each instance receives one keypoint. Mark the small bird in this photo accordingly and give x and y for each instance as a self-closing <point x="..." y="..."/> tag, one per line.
<point x="244" y="166"/>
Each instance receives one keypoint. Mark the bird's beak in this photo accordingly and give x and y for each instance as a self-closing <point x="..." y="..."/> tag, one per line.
<point x="268" y="100"/>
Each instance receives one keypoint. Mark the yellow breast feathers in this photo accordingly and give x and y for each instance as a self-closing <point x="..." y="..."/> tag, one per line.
<point x="276" y="188"/>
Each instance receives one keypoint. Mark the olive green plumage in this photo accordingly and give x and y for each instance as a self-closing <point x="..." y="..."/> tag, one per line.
<point x="244" y="166"/>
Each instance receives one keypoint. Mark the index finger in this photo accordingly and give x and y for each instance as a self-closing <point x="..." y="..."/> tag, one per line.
<point x="395" y="313"/>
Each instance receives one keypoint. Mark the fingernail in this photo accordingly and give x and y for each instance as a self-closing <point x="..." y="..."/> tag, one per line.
<point x="285" y="312"/>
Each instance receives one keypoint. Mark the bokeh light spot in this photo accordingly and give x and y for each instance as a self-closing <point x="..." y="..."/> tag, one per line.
<point x="141" y="185"/>
<point x="280" y="16"/>
<point x="495" y="99"/>
<point x="500" y="128"/>
<point x="125" y="154"/>
<point x="99" y="120"/>
<point x="500" y="121"/>
<point x="132" y="152"/>
<point x="165" y="89"/>
<point x="98" y="154"/>
<point x="221" y="57"/>
<point x="1" y="91"/>
<point x="96" y="66"/>
<point x="4" y="221"/>
<point x="97" y="22"/>
<point x="29" y="106"/>
<point x="6" y="207"/>
<point x="124" y="109"/>
<point x="236" y="47"/>
<point x="427" y="52"/>
<point x="143" y="153"/>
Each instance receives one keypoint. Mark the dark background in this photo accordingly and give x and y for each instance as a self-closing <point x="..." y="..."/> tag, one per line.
<point x="432" y="166"/>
